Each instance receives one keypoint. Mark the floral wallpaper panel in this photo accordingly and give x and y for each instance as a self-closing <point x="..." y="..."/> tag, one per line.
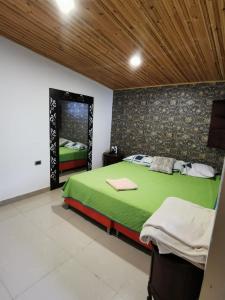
<point x="74" y="121"/>
<point x="168" y="121"/>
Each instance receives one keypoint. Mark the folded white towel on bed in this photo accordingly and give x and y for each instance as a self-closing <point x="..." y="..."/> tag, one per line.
<point x="182" y="228"/>
<point x="122" y="184"/>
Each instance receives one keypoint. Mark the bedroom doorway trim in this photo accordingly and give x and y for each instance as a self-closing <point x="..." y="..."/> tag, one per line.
<point x="54" y="97"/>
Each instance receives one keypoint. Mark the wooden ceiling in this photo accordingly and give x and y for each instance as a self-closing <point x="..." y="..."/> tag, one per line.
<point x="180" y="40"/>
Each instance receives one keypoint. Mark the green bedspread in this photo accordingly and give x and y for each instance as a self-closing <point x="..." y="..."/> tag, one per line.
<point x="66" y="154"/>
<point x="133" y="208"/>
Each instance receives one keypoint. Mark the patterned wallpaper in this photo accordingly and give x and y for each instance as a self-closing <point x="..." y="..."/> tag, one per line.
<point x="167" y="121"/>
<point x="74" y="121"/>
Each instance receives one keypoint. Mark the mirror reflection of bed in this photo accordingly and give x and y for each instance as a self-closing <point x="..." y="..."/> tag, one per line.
<point x="73" y="138"/>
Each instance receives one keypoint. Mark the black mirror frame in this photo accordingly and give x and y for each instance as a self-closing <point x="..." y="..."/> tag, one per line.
<point x="54" y="97"/>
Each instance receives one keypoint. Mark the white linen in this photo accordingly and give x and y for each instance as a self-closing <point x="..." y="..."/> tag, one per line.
<point x="76" y="145"/>
<point x="140" y="159"/>
<point x="80" y="146"/>
<point x="162" y="164"/>
<point x="147" y="160"/>
<point x="129" y="158"/>
<point x="182" y="228"/>
<point x="199" y="170"/>
<point x="168" y="245"/>
<point x="70" y="145"/>
<point x="63" y="141"/>
<point x="179" y="165"/>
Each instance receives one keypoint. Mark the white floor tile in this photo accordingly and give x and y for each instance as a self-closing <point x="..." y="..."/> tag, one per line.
<point x="27" y="256"/>
<point x="4" y="294"/>
<point x="7" y="211"/>
<point x="59" y="210"/>
<point x="48" y="252"/>
<point x="86" y="227"/>
<point x="137" y="258"/>
<point x="70" y="282"/>
<point x="109" y="266"/>
<point x="117" y="297"/>
<point x="69" y="237"/>
<point x="67" y="174"/>
<point x="15" y="230"/>
<point x="135" y="289"/>
<point x="32" y="202"/>
<point x="45" y="216"/>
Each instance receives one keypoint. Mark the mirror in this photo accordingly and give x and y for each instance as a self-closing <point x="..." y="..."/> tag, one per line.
<point x="73" y="138"/>
<point x="71" y="129"/>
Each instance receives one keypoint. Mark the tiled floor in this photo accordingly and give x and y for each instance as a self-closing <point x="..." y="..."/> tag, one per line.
<point x="49" y="253"/>
<point x="66" y="174"/>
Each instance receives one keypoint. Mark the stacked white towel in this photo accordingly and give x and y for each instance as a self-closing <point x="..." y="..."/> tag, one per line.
<point x="182" y="228"/>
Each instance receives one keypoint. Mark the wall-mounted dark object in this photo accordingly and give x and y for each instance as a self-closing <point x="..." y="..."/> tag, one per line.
<point x="216" y="137"/>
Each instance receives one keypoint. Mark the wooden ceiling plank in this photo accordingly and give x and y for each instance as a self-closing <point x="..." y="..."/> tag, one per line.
<point x="215" y="17"/>
<point x="192" y="41"/>
<point x="43" y="34"/>
<point x="162" y="40"/>
<point x="209" y="25"/>
<point x="184" y="6"/>
<point x="204" y="43"/>
<point x="121" y="21"/>
<point x="100" y="59"/>
<point x="41" y="46"/>
<point x="150" y="43"/>
<point x="182" y="49"/>
<point x="185" y="39"/>
<point x="179" y="40"/>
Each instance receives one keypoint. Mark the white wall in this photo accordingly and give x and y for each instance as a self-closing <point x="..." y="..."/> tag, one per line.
<point x="25" y="79"/>
<point x="213" y="286"/>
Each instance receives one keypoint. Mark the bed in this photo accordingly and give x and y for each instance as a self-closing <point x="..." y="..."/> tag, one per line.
<point x="72" y="158"/>
<point x="126" y="211"/>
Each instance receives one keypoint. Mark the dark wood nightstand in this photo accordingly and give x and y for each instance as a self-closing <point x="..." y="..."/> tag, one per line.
<point x="172" y="277"/>
<point x="111" y="158"/>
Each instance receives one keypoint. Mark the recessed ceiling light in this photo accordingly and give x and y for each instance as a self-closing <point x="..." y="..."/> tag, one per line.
<point x="135" y="60"/>
<point x="65" y="5"/>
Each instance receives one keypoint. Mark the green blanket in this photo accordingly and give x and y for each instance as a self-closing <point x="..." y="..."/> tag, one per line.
<point x="66" y="154"/>
<point x="133" y="208"/>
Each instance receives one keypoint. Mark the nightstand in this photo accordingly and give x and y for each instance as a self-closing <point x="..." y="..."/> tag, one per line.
<point x="172" y="277"/>
<point x="111" y="158"/>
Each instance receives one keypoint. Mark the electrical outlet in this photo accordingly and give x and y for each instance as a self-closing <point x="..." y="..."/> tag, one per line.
<point x="37" y="162"/>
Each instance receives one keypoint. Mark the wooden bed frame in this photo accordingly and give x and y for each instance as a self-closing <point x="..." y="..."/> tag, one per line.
<point x="72" y="164"/>
<point x="108" y="223"/>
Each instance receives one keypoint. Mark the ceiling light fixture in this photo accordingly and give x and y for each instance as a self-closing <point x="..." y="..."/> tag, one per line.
<point x="65" y="5"/>
<point x="135" y="60"/>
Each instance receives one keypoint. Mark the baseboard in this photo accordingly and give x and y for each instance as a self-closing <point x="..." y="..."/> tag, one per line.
<point x="24" y="196"/>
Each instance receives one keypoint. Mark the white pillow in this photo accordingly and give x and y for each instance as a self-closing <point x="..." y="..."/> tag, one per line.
<point x="199" y="170"/>
<point x="63" y="142"/>
<point x="79" y="146"/>
<point x="162" y="164"/>
<point x="137" y="159"/>
<point x="129" y="158"/>
<point x="140" y="159"/>
<point x="147" y="160"/>
<point x="179" y="165"/>
<point x="70" y="145"/>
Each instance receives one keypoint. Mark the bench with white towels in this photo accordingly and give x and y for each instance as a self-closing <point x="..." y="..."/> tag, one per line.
<point x="182" y="228"/>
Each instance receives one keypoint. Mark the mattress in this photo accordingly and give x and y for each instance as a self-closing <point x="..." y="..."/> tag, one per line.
<point x="67" y="154"/>
<point x="133" y="208"/>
